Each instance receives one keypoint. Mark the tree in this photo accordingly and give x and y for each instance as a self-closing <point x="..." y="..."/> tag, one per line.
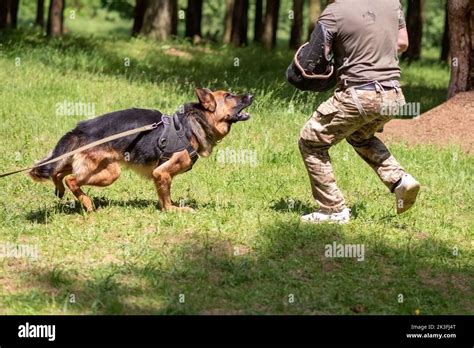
<point x="240" y="22"/>
<point x="159" y="19"/>
<point x="229" y="8"/>
<point x="55" y="26"/>
<point x="174" y="17"/>
<point x="193" y="19"/>
<point x="270" y="24"/>
<point x="236" y="22"/>
<point x="297" y="25"/>
<point x="258" y="24"/>
<point x="461" y="39"/>
<point x="445" y="42"/>
<point x="40" y="13"/>
<point x="139" y="14"/>
<point x="415" y="30"/>
<point x="8" y="13"/>
<point x="314" y="13"/>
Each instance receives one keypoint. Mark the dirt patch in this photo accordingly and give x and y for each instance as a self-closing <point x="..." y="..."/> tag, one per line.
<point x="449" y="123"/>
<point x="174" y="52"/>
<point x="445" y="283"/>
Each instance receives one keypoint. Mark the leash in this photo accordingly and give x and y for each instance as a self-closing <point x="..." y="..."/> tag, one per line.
<point x="88" y="146"/>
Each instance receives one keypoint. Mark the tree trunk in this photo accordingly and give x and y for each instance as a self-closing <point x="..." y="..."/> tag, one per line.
<point x="158" y="19"/>
<point x="297" y="25"/>
<point x="4" y="10"/>
<point x="55" y="26"/>
<point x="445" y="42"/>
<point x="415" y="30"/>
<point x="229" y="8"/>
<point x="193" y="20"/>
<point x="270" y="24"/>
<point x="174" y="17"/>
<point x="8" y="13"/>
<point x="139" y="14"/>
<point x="258" y="25"/>
<point x="461" y="37"/>
<point x="240" y="22"/>
<point x="40" y="13"/>
<point x="314" y="13"/>
<point x="15" y="4"/>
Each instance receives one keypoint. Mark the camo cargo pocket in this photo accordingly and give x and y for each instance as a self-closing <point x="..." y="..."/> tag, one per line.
<point x="326" y="112"/>
<point x="327" y="109"/>
<point x="315" y="129"/>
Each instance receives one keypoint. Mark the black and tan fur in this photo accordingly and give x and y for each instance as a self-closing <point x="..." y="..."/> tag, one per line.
<point x="205" y="124"/>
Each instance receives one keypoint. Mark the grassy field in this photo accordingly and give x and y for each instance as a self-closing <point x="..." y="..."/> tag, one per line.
<point x="244" y="251"/>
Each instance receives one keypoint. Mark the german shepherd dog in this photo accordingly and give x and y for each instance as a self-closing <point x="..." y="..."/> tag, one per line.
<point x="205" y="123"/>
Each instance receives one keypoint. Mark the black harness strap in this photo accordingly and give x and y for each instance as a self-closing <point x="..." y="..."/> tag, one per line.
<point x="173" y="139"/>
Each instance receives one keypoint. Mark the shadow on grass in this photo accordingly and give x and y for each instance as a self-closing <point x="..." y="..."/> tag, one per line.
<point x="287" y="258"/>
<point x="42" y="216"/>
<point x="285" y="205"/>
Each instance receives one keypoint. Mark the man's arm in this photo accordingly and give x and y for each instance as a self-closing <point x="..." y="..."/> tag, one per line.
<point x="329" y="21"/>
<point x="402" y="43"/>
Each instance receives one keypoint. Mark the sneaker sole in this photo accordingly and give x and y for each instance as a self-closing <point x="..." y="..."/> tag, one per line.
<point x="316" y="222"/>
<point x="408" y="197"/>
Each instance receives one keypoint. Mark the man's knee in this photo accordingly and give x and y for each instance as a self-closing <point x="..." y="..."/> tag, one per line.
<point x="311" y="146"/>
<point x="357" y="141"/>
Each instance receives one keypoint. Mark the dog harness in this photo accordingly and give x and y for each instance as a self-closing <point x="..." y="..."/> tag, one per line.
<point x="173" y="139"/>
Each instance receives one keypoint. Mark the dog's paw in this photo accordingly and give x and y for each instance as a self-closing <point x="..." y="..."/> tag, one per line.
<point x="59" y="193"/>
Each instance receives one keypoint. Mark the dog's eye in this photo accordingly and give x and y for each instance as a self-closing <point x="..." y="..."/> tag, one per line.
<point x="227" y="96"/>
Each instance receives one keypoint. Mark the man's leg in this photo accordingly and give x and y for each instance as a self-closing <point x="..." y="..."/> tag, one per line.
<point x="373" y="151"/>
<point x="329" y="125"/>
<point x="322" y="179"/>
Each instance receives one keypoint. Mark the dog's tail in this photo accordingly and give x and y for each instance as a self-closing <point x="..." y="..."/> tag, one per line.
<point x="67" y="143"/>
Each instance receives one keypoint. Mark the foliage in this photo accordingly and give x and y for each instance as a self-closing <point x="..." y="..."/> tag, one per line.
<point x="213" y="18"/>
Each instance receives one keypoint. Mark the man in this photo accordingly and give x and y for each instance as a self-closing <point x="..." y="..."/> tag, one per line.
<point x="365" y="37"/>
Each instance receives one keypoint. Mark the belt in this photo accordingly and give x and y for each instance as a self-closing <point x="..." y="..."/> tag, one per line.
<point x="374" y="86"/>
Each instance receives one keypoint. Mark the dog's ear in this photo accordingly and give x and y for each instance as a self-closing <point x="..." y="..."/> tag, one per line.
<point x="206" y="99"/>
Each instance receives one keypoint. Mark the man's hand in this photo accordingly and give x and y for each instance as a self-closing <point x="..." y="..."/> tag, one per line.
<point x="327" y="49"/>
<point x="402" y="43"/>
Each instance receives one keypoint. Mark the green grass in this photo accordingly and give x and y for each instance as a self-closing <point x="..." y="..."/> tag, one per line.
<point x="245" y="250"/>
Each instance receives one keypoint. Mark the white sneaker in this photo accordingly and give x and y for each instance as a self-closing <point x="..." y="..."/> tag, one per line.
<point x="319" y="217"/>
<point x="406" y="192"/>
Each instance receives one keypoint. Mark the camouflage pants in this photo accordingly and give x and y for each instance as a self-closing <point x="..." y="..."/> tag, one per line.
<point x="354" y="115"/>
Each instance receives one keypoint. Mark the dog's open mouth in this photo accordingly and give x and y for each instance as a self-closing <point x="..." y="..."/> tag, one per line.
<point x="243" y="116"/>
<point x="240" y="116"/>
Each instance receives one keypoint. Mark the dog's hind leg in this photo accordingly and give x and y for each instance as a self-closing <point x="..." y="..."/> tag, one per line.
<point x="72" y="184"/>
<point x="58" y="181"/>
<point x="94" y="168"/>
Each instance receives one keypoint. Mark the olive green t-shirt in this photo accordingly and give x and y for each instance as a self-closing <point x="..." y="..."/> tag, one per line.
<point x="364" y="35"/>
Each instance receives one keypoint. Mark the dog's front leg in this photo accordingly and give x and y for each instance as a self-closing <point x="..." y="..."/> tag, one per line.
<point x="162" y="181"/>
